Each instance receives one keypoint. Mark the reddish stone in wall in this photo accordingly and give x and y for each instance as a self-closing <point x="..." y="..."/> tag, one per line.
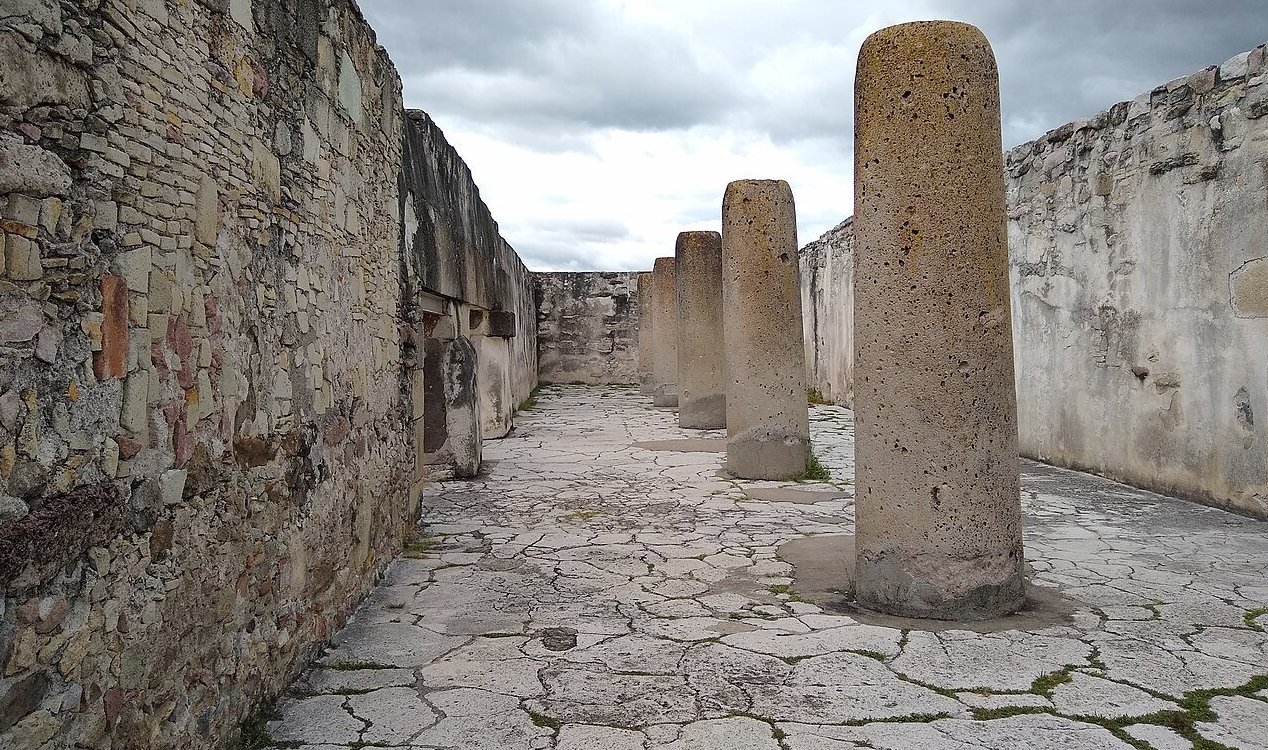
<point x="112" y="360"/>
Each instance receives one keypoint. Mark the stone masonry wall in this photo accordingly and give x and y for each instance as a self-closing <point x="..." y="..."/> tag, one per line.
<point x="587" y="327"/>
<point x="455" y="251"/>
<point x="204" y="446"/>
<point x="1140" y="290"/>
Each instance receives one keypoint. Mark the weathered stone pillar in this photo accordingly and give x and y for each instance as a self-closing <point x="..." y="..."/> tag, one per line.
<point x="768" y="423"/>
<point x="665" y="332"/>
<point x="646" y="318"/>
<point x="938" y="515"/>
<point x="701" y="362"/>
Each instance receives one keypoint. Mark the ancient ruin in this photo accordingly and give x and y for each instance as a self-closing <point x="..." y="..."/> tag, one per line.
<point x="297" y="454"/>
<point x="938" y="514"/>
<point x="767" y="432"/>
<point x="701" y="363"/>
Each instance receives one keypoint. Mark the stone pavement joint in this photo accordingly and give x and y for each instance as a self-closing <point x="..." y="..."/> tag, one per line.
<point x="587" y="593"/>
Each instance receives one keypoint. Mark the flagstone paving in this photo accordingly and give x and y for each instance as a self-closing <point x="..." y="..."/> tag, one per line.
<point x="584" y="593"/>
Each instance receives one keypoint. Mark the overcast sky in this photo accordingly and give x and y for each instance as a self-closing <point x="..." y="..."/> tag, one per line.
<point x="599" y="129"/>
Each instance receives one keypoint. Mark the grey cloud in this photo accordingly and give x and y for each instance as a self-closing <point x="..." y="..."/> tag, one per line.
<point x="549" y="64"/>
<point x="1062" y="61"/>
<point x="585" y="230"/>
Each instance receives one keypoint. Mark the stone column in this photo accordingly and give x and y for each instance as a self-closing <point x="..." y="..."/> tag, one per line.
<point x="768" y="422"/>
<point x="938" y="515"/>
<point x="701" y="365"/>
<point x="646" y="335"/>
<point x="665" y="348"/>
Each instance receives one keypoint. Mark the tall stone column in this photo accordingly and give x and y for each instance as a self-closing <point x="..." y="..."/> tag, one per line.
<point x="938" y="514"/>
<point x="768" y="422"/>
<point x="665" y="332"/>
<point x="701" y="365"/>
<point x="646" y="335"/>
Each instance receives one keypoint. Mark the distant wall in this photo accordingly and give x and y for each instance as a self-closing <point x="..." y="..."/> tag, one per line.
<point x="827" y="266"/>
<point x="1140" y="317"/>
<point x="587" y="327"/>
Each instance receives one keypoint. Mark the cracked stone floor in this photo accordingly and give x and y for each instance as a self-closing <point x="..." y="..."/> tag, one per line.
<point x="589" y="594"/>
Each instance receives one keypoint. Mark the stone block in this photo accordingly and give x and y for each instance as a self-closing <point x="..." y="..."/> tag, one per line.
<point x="207" y="211"/>
<point x="350" y="88"/>
<point x="31" y="170"/>
<point x="172" y="486"/>
<point x="501" y="323"/>
<point x="266" y="169"/>
<point x="112" y="360"/>
<point x="134" y="267"/>
<point x="31" y="78"/>
<point x="50" y="214"/>
<point x="22" y="259"/>
<point x="23" y="209"/>
<point x="20" y="318"/>
<point x="1235" y="67"/>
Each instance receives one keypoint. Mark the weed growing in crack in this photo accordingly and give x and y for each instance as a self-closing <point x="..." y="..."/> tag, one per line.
<point x="418" y="548"/>
<point x="1044" y="684"/>
<point x="349" y="665"/>
<point x="530" y="403"/>
<point x="254" y="734"/>
<point x="1004" y="712"/>
<point x="583" y="515"/>
<point x="783" y="589"/>
<point x="542" y="720"/>
<point x="1253" y="615"/>
<point x="877" y="655"/>
<point x="1195" y="708"/>
<point x="351" y="691"/>
<point x="815" y="398"/>
<point x="815" y="471"/>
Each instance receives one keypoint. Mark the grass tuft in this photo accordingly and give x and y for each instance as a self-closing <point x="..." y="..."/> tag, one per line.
<point x="254" y="734"/>
<point x="349" y="665"/>
<point x="542" y="720"/>
<point x="815" y="471"/>
<point x="1253" y="615"/>
<point x="815" y="398"/>
<point x="530" y="403"/>
<point x="1045" y="683"/>
<point x="418" y="547"/>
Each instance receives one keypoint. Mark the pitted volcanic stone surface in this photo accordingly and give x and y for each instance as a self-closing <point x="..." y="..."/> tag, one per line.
<point x="767" y="433"/>
<point x="585" y="593"/>
<point x="939" y="524"/>
<point x="701" y="363"/>
<point x="665" y="335"/>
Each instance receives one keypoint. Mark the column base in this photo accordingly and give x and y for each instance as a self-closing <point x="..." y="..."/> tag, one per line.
<point x="950" y="589"/>
<point x="767" y="457"/>
<point x="707" y="413"/>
